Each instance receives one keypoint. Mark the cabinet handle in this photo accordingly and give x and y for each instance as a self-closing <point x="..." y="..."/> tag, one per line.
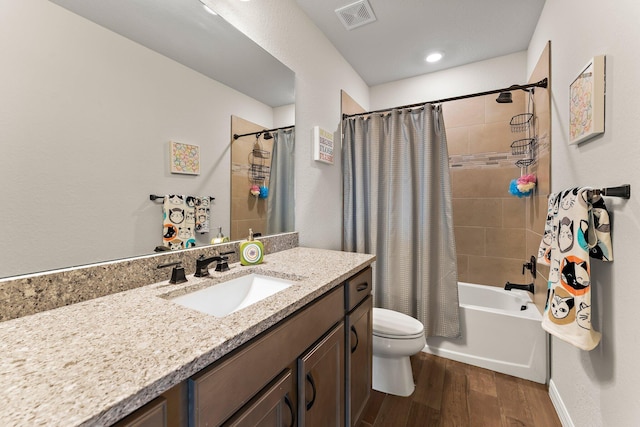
<point x="287" y="402"/>
<point x="362" y="286"/>
<point x="353" y="329"/>
<point x="313" y="388"/>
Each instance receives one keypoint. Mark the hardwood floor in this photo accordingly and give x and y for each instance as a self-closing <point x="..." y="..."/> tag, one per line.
<point x="453" y="394"/>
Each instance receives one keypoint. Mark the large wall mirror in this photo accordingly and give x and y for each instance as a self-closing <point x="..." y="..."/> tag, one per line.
<point x="93" y="93"/>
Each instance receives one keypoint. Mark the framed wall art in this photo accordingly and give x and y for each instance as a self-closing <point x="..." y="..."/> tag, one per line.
<point x="586" y="102"/>
<point x="184" y="158"/>
<point x="322" y="145"/>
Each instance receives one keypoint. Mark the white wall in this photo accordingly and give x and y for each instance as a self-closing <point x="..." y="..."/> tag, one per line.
<point x="284" y="116"/>
<point x="600" y="388"/>
<point x="282" y="29"/>
<point x="85" y="120"/>
<point x="495" y="73"/>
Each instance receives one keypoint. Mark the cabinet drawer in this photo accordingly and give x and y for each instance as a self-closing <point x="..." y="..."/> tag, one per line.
<point x="220" y="390"/>
<point x="358" y="288"/>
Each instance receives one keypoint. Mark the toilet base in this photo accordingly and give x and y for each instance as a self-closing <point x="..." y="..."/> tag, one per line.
<point x="393" y="375"/>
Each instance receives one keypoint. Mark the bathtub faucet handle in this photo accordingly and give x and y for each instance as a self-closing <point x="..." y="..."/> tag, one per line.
<point x="531" y="265"/>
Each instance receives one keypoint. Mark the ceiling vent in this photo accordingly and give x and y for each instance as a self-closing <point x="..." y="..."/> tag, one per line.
<point x="356" y="14"/>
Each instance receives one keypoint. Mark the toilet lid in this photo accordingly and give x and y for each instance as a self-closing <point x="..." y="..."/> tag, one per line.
<point x="389" y="323"/>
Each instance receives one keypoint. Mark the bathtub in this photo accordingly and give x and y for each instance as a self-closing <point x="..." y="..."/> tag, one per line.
<point x="497" y="333"/>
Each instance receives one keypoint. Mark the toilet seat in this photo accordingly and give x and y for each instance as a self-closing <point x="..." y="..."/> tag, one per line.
<point x="394" y="325"/>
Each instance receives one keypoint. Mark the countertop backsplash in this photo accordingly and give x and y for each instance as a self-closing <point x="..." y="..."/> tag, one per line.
<point x="33" y="293"/>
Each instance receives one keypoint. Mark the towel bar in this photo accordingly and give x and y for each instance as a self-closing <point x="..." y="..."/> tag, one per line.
<point x="623" y="191"/>
<point x="154" y="197"/>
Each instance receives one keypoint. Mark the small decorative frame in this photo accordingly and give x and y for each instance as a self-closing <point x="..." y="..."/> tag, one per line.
<point x="322" y="145"/>
<point x="184" y="158"/>
<point x="586" y="102"/>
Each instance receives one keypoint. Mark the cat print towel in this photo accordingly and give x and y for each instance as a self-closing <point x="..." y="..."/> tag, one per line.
<point x="179" y="221"/>
<point x="202" y="214"/>
<point x="577" y="228"/>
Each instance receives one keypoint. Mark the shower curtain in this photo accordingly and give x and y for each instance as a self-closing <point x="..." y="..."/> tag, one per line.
<point x="397" y="205"/>
<point x="280" y="210"/>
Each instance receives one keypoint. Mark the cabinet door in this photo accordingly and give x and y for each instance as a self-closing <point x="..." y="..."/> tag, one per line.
<point x="273" y="407"/>
<point x="359" y="359"/>
<point x="153" y="414"/>
<point x="321" y="382"/>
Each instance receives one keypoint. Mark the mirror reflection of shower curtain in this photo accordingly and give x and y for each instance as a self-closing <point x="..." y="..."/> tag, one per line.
<point x="281" y="207"/>
<point x="397" y="205"/>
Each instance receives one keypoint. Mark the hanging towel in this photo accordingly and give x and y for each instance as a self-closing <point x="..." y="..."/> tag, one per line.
<point x="202" y="214"/>
<point x="178" y="221"/>
<point x="577" y="228"/>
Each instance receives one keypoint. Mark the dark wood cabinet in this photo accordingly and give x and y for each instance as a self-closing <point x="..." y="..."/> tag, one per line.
<point x="217" y="392"/>
<point x="359" y="359"/>
<point x="359" y="344"/>
<point x="321" y="382"/>
<point x="153" y="414"/>
<point x="311" y="369"/>
<point x="273" y="407"/>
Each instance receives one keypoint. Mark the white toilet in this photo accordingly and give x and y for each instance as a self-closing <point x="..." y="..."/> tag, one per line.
<point x="396" y="336"/>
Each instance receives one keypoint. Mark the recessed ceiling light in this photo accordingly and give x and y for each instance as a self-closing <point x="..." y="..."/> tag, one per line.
<point x="434" y="57"/>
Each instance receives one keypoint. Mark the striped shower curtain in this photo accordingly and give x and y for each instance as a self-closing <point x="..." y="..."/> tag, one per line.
<point x="397" y="205"/>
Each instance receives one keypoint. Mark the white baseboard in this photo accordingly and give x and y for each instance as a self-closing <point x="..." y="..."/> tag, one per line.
<point x="561" y="410"/>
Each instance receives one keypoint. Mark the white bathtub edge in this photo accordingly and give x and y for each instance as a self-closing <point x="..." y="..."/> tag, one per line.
<point x="558" y="404"/>
<point x="527" y="372"/>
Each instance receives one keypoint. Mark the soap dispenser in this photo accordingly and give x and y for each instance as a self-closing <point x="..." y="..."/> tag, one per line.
<point x="251" y="251"/>
<point x="220" y="238"/>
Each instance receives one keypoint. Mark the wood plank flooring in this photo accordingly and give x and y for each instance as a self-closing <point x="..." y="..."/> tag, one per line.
<point x="454" y="394"/>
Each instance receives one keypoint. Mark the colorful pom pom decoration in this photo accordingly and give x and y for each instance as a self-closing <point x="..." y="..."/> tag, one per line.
<point x="523" y="186"/>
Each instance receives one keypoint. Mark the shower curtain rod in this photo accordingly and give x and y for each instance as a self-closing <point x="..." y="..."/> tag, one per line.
<point x="542" y="83"/>
<point x="236" y="136"/>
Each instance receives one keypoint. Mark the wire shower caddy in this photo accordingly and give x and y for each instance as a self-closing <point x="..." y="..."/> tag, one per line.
<point x="521" y="122"/>
<point x="527" y="146"/>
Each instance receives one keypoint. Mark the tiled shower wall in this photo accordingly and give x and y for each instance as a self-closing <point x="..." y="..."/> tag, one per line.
<point x="536" y="207"/>
<point x="495" y="232"/>
<point x="489" y="223"/>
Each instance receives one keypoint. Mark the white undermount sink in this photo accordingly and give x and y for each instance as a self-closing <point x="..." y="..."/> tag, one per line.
<point x="227" y="297"/>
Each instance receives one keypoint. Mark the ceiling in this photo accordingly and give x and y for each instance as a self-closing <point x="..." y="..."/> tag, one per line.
<point x="395" y="45"/>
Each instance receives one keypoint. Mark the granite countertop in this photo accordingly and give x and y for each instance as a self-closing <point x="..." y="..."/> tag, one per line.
<point x="94" y="362"/>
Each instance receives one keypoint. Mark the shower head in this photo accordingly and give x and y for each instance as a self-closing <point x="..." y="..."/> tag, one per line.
<point x="267" y="135"/>
<point x="504" y="98"/>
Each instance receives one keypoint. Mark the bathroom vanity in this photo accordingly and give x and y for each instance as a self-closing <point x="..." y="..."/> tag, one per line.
<point x="299" y="357"/>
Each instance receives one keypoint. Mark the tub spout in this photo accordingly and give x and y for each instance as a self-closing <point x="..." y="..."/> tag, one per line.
<point x="529" y="287"/>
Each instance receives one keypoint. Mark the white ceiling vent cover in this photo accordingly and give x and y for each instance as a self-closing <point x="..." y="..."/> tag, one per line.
<point x="356" y="14"/>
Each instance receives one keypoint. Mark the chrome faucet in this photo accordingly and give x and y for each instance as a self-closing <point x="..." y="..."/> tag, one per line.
<point x="529" y="287"/>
